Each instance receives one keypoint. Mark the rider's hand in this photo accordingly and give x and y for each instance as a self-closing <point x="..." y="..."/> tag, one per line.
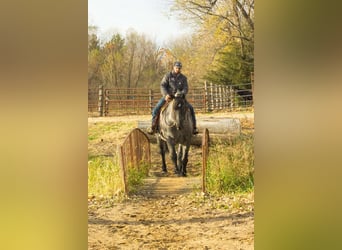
<point x="168" y="98"/>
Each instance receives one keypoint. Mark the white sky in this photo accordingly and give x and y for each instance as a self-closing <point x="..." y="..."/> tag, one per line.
<point x="150" y="17"/>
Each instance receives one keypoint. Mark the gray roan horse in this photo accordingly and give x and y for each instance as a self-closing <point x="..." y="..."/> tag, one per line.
<point x="175" y="127"/>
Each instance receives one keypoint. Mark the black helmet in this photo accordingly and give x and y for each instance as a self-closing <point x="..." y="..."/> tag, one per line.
<point x="177" y="64"/>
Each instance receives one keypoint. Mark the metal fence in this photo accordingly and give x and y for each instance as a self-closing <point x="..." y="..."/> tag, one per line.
<point x="129" y="101"/>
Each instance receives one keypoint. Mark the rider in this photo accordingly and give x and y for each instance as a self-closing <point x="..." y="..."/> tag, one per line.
<point x="172" y="82"/>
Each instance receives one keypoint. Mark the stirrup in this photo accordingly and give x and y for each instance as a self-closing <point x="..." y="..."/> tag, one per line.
<point x="195" y="132"/>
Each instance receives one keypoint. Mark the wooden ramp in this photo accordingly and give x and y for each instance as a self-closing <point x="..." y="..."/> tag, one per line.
<point x="159" y="187"/>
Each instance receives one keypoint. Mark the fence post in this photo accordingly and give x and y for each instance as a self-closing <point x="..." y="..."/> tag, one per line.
<point x="151" y="99"/>
<point x="225" y="96"/>
<point x="123" y="168"/>
<point x="220" y="96"/>
<point x="106" y="102"/>
<point x="252" y="81"/>
<point x="206" y="107"/>
<point x="216" y="97"/>
<point x="231" y="98"/>
<point x="205" y="152"/>
<point x="211" y="97"/>
<point x="100" y="101"/>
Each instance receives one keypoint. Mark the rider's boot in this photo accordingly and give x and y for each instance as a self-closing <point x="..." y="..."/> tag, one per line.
<point x="151" y="130"/>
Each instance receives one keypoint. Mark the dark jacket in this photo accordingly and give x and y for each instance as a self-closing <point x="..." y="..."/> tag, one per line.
<point x="172" y="82"/>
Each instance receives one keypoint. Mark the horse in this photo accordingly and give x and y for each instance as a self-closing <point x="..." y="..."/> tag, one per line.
<point x="175" y="127"/>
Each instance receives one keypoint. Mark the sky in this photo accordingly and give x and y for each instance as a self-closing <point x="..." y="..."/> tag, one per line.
<point x="150" y="17"/>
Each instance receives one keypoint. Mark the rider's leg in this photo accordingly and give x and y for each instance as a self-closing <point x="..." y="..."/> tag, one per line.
<point x="155" y="113"/>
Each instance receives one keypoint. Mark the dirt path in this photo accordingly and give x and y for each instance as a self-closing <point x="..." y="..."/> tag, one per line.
<point x="170" y="212"/>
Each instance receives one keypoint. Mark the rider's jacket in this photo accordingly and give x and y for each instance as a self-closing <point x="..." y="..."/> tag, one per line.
<point x="172" y="82"/>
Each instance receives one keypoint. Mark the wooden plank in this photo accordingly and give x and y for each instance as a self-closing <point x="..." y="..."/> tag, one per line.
<point x="205" y="153"/>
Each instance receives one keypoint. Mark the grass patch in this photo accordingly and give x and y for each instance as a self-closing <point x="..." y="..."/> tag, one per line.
<point x="104" y="129"/>
<point x="136" y="177"/>
<point x="230" y="166"/>
<point x="104" y="178"/>
<point x="104" y="173"/>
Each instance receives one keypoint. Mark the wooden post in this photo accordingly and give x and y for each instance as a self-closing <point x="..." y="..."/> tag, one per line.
<point x="231" y="98"/>
<point x="100" y="101"/>
<point x="226" y="97"/>
<point x="206" y="104"/>
<point x="123" y="169"/>
<point x="205" y="152"/>
<point x="106" y="102"/>
<point x="150" y="96"/>
<point x="252" y="81"/>
<point x="220" y="99"/>
<point x="215" y="97"/>
<point x="211" y="97"/>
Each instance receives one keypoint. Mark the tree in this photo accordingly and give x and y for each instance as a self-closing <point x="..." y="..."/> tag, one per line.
<point x="231" y="68"/>
<point x="113" y="63"/>
<point x="228" y="26"/>
<point x="94" y="58"/>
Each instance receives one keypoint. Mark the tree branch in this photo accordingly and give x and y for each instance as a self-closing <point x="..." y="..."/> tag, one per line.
<point x="244" y="13"/>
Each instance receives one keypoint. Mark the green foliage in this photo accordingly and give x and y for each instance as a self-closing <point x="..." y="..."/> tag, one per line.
<point x="231" y="166"/>
<point x="232" y="68"/>
<point x="136" y="176"/>
<point x="93" y="42"/>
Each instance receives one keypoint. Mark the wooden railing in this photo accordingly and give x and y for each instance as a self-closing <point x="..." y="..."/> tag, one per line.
<point x="123" y="101"/>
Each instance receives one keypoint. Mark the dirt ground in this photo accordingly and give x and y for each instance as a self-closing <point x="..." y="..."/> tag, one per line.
<point x="171" y="212"/>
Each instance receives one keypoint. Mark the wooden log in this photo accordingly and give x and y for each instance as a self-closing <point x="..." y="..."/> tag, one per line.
<point x="220" y="129"/>
<point x="196" y="140"/>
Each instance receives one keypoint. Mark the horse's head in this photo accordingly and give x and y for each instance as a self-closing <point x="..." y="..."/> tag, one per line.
<point x="179" y="107"/>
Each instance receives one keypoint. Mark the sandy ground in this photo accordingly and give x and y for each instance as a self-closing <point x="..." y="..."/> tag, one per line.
<point x="173" y="222"/>
<point x="171" y="212"/>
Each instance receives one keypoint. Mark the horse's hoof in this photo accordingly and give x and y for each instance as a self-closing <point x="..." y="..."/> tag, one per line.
<point x="164" y="171"/>
<point x="176" y="171"/>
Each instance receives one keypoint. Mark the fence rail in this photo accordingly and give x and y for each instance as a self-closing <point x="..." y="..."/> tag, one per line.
<point x="120" y="101"/>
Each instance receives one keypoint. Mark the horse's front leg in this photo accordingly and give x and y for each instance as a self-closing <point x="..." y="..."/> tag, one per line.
<point x="162" y="153"/>
<point x="173" y="156"/>
<point x="180" y="159"/>
<point x="183" y="154"/>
